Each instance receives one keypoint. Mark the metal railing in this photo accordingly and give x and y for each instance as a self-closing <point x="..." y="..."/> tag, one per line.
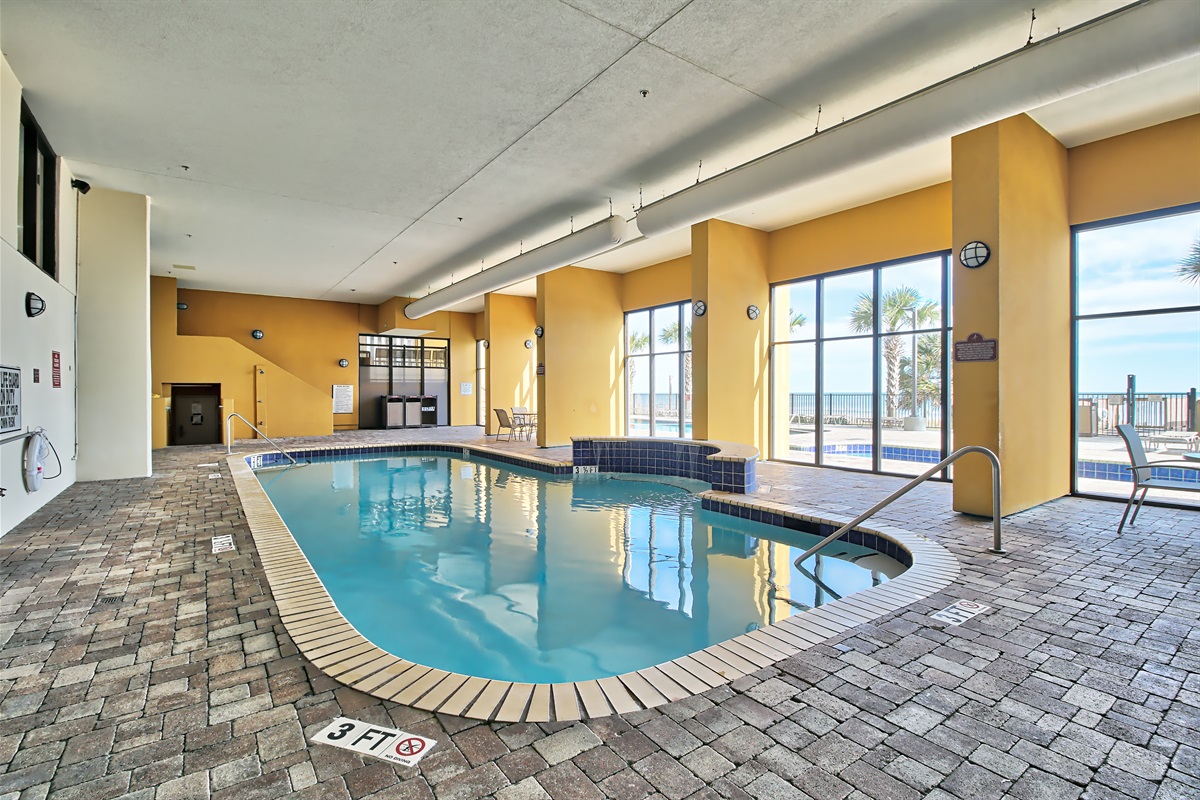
<point x="997" y="546"/>
<point x="229" y="438"/>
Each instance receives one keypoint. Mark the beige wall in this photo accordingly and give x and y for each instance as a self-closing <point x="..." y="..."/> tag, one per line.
<point x="507" y="322"/>
<point x="582" y="392"/>
<point x="657" y="285"/>
<point x="1156" y="167"/>
<point x="114" y="335"/>
<point x="1011" y="193"/>
<point x="730" y="350"/>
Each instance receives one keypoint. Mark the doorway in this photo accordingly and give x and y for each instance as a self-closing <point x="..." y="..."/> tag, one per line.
<point x="195" y="414"/>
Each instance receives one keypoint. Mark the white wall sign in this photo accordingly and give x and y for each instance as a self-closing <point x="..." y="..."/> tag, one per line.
<point x="465" y="388"/>
<point x="343" y="398"/>
<point x="372" y="740"/>
<point x="959" y="613"/>
<point x="10" y="399"/>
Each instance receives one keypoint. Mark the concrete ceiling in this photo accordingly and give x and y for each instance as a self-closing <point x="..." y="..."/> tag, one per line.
<point x="357" y="151"/>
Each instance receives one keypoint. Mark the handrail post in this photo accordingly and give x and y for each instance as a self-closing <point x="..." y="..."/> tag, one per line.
<point x="997" y="545"/>
<point x="229" y="437"/>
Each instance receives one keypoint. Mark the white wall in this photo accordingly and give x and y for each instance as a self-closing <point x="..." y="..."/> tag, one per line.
<point x="28" y="343"/>
<point x="114" y="335"/>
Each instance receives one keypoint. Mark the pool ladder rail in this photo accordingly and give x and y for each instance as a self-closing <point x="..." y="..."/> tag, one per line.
<point x="229" y="439"/>
<point x="996" y="547"/>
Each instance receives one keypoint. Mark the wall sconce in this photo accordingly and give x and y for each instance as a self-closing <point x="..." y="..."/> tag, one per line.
<point x="256" y="333"/>
<point x="752" y="312"/>
<point x="83" y="186"/>
<point x="974" y="255"/>
<point x="529" y="344"/>
<point x="34" y="304"/>
<point x="343" y="363"/>
<point x="181" y="306"/>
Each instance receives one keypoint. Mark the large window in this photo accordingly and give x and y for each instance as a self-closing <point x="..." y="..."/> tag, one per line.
<point x="397" y="365"/>
<point x="37" y="180"/>
<point x="658" y="371"/>
<point x="860" y="382"/>
<point x="1137" y="346"/>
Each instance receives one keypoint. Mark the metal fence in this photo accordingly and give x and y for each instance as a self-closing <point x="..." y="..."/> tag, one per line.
<point x="856" y="408"/>
<point x="1099" y="414"/>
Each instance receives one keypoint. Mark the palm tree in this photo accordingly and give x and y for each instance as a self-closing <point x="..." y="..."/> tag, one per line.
<point x="638" y="343"/>
<point x="1189" y="267"/>
<point x="670" y="335"/>
<point x="796" y="319"/>
<point x="896" y="314"/>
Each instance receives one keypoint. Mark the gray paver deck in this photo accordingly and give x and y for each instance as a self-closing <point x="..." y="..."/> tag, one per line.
<point x="1082" y="681"/>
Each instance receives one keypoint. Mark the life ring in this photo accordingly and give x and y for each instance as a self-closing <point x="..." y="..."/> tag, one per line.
<point x="37" y="447"/>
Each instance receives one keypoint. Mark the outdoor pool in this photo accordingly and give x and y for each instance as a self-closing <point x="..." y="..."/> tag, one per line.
<point x="486" y="569"/>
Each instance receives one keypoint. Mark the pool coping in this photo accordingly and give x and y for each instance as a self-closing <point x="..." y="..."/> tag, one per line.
<point x="333" y="645"/>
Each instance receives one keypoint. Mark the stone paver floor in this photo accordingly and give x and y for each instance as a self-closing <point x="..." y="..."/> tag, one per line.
<point x="135" y="663"/>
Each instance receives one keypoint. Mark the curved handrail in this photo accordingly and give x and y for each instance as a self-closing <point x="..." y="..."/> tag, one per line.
<point x="996" y="547"/>
<point x="229" y="436"/>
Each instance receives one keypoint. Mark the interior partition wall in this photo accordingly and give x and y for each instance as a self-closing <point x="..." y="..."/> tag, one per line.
<point x="1136" y="291"/>
<point x="658" y="371"/>
<point x="859" y="382"/>
<point x="398" y="365"/>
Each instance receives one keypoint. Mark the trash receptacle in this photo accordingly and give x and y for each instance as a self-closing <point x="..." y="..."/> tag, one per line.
<point x="429" y="415"/>
<point x="412" y="411"/>
<point x="392" y="413"/>
<point x="1087" y="421"/>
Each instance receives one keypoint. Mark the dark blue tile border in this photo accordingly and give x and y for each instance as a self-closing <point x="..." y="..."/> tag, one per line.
<point x="681" y="458"/>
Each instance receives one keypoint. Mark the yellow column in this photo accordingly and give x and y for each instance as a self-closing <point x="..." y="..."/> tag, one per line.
<point x="507" y="322"/>
<point x="1010" y="192"/>
<point x="729" y="373"/>
<point x="582" y="392"/>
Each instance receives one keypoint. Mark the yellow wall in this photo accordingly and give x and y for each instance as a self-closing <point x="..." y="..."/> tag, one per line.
<point x="906" y="225"/>
<point x="1011" y="193"/>
<point x="657" y="285"/>
<point x="507" y="322"/>
<point x="304" y="337"/>
<point x="288" y="405"/>
<point x="582" y="392"/>
<point x="729" y="350"/>
<point x="1157" y="167"/>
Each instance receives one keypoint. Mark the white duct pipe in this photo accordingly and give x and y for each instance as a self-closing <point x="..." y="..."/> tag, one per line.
<point x="590" y="241"/>
<point x="1119" y="45"/>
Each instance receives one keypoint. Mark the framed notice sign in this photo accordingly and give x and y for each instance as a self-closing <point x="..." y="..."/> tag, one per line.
<point x="343" y="398"/>
<point x="10" y="399"/>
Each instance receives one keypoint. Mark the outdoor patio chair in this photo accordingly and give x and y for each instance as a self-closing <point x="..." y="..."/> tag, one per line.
<point x="525" y="421"/>
<point x="505" y="422"/>
<point x="1143" y="478"/>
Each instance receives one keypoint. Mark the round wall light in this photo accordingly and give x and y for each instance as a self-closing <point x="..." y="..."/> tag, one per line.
<point x="698" y="308"/>
<point x="974" y="255"/>
<point x="181" y="306"/>
<point x="34" y="304"/>
<point x="485" y="343"/>
<point x="529" y="344"/>
<point x="752" y="312"/>
<point x="538" y="331"/>
<point x="256" y="333"/>
<point x="343" y="363"/>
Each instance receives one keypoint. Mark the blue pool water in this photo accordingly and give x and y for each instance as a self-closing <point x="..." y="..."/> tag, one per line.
<point x="490" y="570"/>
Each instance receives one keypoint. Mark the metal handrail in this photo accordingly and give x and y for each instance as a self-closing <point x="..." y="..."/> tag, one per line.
<point x="996" y="547"/>
<point x="229" y="437"/>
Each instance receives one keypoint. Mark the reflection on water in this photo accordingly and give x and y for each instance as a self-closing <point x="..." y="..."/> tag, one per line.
<point x="489" y="570"/>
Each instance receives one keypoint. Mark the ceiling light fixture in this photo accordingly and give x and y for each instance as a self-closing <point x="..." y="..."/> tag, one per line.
<point x="1109" y="48"/>
<point x="581" y="244"/>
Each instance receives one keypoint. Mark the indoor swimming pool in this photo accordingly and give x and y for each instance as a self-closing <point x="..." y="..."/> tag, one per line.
<point x="487" y="569"/>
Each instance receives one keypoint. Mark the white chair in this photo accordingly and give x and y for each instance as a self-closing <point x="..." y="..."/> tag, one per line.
<point x="1142" y="480"/>
<point x="525" y="421"/>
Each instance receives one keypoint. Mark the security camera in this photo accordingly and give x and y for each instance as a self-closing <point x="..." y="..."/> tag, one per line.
<point x="83" y="186"/>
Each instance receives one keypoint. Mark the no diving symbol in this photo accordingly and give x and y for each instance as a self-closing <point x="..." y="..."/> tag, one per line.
<point x="410" y="747"/>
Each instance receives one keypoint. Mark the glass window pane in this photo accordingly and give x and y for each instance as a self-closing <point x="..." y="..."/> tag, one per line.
<point x="687" y="394"/>
<point x="1162" y="353"/>
<point x="848" y="304"/>
<point x="911" y="442"/>
<point x="666" y="329"/>
<point x="795" y="311"/>
<point x="1139" y="265"/>
<point x="666" y="395"/>
<point x="637" y="329"/>
<point x="795" y="377"/>
<point x="638" y="378"/>
<point x="912" y="292"/>
<point x="848" y="415"/>
<point x="687" y="326"/>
